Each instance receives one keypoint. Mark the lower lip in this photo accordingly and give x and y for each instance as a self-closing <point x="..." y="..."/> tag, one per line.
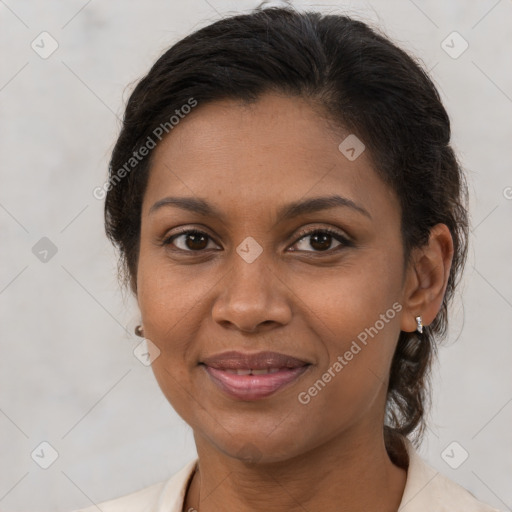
<point x="253" y="387"/>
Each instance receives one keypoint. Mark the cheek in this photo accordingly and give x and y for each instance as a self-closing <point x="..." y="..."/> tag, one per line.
<point x="358" y="327"/>
<point x="351" y="380"/>
<point x="361" y="294"/>
<point x="170" y="303"/>
<point x="169" y="297"/>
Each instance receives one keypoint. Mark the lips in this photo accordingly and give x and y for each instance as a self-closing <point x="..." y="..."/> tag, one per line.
<point x="260" y="361"/>
<point x="253" y="376"/>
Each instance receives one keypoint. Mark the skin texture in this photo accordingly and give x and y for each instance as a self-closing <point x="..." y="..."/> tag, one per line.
<point x="199" y="298"/>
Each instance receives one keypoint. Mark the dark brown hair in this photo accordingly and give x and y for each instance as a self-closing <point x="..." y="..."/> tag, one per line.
<point x="357" y="79"/>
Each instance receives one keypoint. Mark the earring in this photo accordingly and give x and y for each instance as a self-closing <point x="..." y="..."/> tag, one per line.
<point x="138" y="331"/>
<point x="419" y="324"/>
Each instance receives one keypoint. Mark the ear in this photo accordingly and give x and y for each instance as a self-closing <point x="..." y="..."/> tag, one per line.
<point x="426" y="278"/>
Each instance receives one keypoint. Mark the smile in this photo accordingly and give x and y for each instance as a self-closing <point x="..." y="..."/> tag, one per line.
<point x="253" y="384"/>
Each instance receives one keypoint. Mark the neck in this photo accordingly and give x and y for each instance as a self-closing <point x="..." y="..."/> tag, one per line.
<point x="329" y="478"/>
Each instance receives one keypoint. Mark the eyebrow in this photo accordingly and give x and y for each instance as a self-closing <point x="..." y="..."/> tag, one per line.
<point x="286" y="212"/>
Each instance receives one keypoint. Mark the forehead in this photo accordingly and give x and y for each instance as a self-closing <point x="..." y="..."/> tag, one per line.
<point x="264" y="152"/>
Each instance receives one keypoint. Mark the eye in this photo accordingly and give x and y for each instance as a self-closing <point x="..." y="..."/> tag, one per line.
<point x="321" y="240"/>
<point x="191" y="240"/>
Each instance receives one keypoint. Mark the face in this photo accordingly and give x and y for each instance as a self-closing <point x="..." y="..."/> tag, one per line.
<point x="236" y="269"/>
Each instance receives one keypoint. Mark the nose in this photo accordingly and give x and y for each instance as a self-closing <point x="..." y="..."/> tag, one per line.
<point x="253" y="297"/>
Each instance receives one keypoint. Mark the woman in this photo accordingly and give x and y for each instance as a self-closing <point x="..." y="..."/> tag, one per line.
<point x="291" y="219"/>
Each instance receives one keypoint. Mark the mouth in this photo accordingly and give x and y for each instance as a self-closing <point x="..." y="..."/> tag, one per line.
<point x="253" y="376"/>
<point x="254" y="371"/>
<point x="253" y="386"/>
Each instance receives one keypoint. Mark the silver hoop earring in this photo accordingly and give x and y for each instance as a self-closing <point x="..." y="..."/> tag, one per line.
<point x="138" y="331"/>
<point x="419" y="324"/>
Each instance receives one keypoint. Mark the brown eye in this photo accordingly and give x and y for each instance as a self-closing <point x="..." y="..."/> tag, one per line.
<point x="321" y="239"/>
<point x="191" y="240"/>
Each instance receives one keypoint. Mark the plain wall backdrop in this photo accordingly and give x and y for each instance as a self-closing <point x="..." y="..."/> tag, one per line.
<point x="68" y="374"/>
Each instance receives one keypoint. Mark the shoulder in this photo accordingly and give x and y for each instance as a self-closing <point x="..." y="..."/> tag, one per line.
<point x="169" y="493"/>
<point x="428" y="490"/>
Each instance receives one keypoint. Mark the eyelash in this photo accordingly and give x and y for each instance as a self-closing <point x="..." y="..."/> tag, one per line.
<point x="345" y="242"/>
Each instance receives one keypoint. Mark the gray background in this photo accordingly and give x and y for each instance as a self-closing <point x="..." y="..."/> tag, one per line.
<point x="68" y="375"/>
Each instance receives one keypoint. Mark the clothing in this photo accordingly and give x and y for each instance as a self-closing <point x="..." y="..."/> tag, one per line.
<point x="426" y="490"/>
